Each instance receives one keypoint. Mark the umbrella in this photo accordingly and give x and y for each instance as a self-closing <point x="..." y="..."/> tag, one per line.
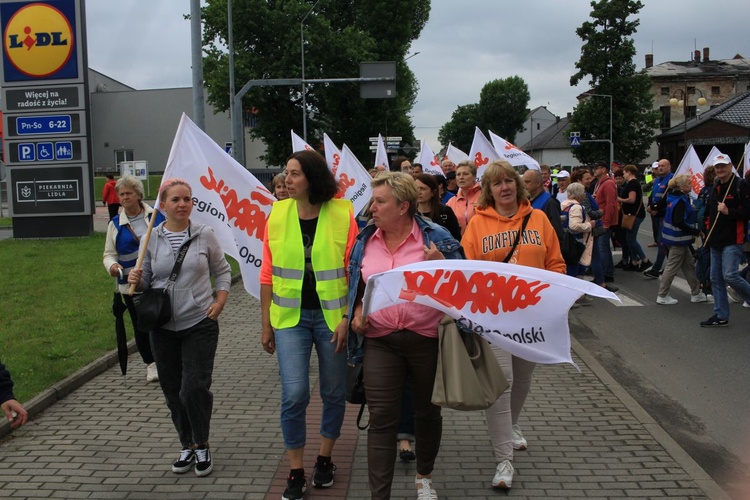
<point x="118" y="309"/>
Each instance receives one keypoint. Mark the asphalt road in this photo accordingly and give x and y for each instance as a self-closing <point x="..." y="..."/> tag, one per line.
<point x="694" y="381"/>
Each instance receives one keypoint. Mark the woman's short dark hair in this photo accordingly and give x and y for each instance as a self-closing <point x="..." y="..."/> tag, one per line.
<point x="632" y="169"/>
<point x="396" y="163"/>
<point x="322" y="184"/>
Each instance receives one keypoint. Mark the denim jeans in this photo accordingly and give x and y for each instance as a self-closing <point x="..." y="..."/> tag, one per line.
<point x="661" y="250"/>
<point x="605" y="254"/>
<point x="185" y="360"/>
<point x="596" y="263"/>
<point x="635" y="251"/>
<point x="725" y="264"/>
<point x="294" y="348"/>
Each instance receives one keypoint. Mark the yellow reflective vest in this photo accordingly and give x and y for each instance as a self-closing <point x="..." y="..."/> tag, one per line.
<point x="328" y="256"/>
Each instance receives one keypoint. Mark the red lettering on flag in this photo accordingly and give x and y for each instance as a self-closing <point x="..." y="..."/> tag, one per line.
<point x="344" y="184"/>
<point x="487" y="292"/>
<point x="246" y="215"/>
<point x="480" y="160"/>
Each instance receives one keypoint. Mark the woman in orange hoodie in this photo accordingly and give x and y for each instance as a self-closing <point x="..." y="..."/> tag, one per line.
<point x="464" y="203"/>
<point x="503" y="207"/>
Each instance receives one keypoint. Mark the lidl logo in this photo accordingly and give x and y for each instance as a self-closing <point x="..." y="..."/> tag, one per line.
<point x="38" y="42"/>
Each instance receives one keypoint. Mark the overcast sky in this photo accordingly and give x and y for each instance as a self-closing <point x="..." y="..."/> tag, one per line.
<point x="465" y="44"/>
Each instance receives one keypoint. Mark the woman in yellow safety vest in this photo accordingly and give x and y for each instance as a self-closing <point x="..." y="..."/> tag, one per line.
<point x="303" y="305"/>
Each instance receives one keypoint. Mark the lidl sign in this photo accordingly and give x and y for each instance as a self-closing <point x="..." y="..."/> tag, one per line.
<point x="39" y="40"/>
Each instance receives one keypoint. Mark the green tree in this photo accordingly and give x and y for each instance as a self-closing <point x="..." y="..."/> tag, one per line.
<point x="607" y="60"/>
<point x="339" y="34"/>
<point x="460" y="130"/>
<point x="503" y="106"/>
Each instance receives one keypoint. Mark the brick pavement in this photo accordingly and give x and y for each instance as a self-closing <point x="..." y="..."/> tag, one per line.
<point x="112" y="438"/>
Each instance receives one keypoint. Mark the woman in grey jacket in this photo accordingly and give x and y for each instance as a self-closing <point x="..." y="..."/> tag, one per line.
<point x="185" y="347"/>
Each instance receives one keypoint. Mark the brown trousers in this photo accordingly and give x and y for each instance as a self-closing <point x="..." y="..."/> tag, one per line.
<point x="387" y="362"/>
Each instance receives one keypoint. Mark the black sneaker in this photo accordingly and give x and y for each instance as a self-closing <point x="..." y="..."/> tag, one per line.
<point x="185" y="462"/>
<point x="295" y="487"/>
<point x="203" y="463"/>
<point x="323" y="474"/>
<point x="651" y="274"/>
<point x="714" y="321"/>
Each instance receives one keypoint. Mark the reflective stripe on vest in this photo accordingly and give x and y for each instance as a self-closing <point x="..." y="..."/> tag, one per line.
<point x="327" y="257"/>
<point x="672" y="235"/>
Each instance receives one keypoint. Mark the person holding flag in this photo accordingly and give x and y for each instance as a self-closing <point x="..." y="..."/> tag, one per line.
<point x="303" y="296"/>
<point x="464" y="203"/>
<point x="517" y="234"/>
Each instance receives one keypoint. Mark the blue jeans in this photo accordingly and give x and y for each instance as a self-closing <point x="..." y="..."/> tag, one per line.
<point x="725" y="262"/>
<point x="185" y="360"/>
<point x="634" y="248"/>
<point x="605" y="254"/>
<point x="661" y="250"/>
<point x="293" y="348"/>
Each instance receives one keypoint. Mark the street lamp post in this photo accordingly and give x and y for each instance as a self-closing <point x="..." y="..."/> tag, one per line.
<point x="683" y="102"/>
<point x="302" y="52"/>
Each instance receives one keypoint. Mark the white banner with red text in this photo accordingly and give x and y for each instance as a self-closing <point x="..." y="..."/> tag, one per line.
<point x="226" y="197"/>
<point x="521" y="309"/>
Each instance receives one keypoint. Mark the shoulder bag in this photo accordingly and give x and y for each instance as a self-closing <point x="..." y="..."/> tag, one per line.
<point x="153" y="307"/>
<point x="468" y="376"/>
<point x="628" y="221"/>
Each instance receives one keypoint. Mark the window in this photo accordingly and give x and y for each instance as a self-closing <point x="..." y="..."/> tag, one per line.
<point x="665" y="91"/>
<point x="666" y="117"/>
<point x="538" y="126"/>
<point x="122" y="155"/>
<point x="716" y="90"/>
<point x="691" y="90"/>
<point x="691" y="112"/>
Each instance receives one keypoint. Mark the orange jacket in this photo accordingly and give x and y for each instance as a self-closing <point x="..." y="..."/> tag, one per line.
<point x="490" y="236"/>
<point x="109" y="193"/>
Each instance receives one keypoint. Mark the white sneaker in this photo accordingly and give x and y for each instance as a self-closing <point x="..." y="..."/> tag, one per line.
<point x="503" y="475"/>
<point x="152" y="375"/>
<point x="745" y="304"/>
<point x="519" y="443"/>
<point x="666" y="301"/>
<point x="425" y="491"/>
<point x="733" y="295"/>
<point x="698" y="297"/>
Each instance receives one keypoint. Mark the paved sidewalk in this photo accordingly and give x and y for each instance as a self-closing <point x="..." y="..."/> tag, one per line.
<point x="113" y="438"/>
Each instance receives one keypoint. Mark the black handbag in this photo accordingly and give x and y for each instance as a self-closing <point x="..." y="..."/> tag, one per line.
<point x="154" y="307"/>
<point x="355" y="390"/>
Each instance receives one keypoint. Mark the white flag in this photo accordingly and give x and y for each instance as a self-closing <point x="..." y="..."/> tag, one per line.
<point x="430" y="163"/>
<point x="691" y="165"/>
<point x="333" y="154"/>
<point x="381" y="155"/>
<point x="746" y="167"/>
<point x="455" y="155"/>
<point x="482" y="153"/>
<point x="522" y="309"/>
<point x="353" y="180"/>
<point x="299" y="144"/>
<point x="227" y="197"/>
<point x="512" y="154"/>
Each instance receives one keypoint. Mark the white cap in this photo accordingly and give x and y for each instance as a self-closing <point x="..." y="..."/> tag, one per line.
<point x="562" y="174"/>
<point x="654" y="165"/>
<point x="722" y="159"/>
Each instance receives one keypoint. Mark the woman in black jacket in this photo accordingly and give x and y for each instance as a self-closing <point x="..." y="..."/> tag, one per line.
<point x="428" y="200"/>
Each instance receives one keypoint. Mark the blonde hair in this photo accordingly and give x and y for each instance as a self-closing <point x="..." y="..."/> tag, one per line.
<point x="680" y="180"/>
<point x="128" y="181"/>
<point x="403" y="185"/>
<point x="494" y="172"/>
<point x="575" y="191"/>
<point x="470" y="165"/>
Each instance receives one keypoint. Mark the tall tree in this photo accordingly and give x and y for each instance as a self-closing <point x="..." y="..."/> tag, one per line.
<point x="607" y="60"/>
<point x="339" y="35"/>
<point x="460" y="130"/>
<point x="501" y="108"/>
